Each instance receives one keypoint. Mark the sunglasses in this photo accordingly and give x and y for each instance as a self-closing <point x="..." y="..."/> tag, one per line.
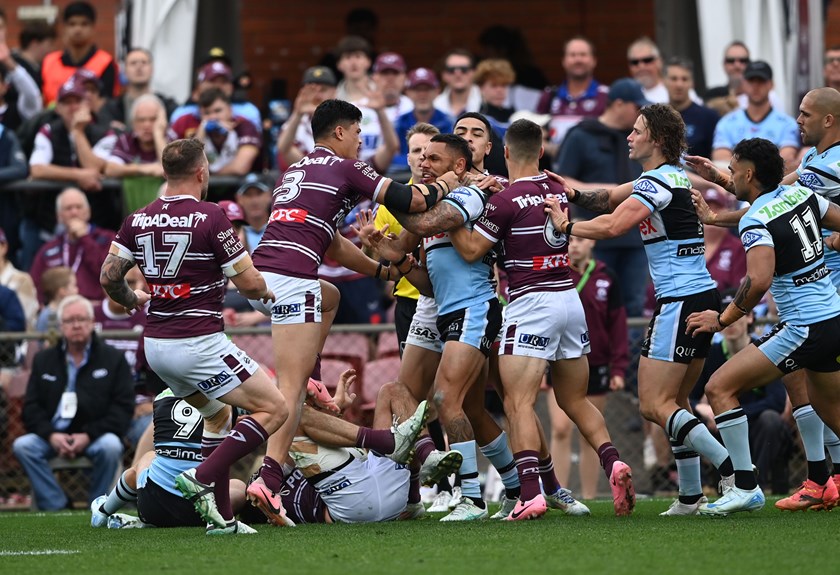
<point x="645" y="60"/>
<point x="462" y="69"/>
<point x="833" y="60"/>
<point x="738" y="60"/>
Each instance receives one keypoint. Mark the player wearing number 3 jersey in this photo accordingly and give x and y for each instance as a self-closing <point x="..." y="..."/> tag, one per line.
<point x="314" y="195"/>
<point x="186" y="249"/>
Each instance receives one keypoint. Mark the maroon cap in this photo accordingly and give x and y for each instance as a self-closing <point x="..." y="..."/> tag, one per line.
<point x="213" y="70"/>
<point x="232" y="211"/>
<point x="72" y="87"/>
<point x="389" y="61"/>
<point x="84" y="75"/>
<point x="421" y="77"/>
<point x="713" y="196"/>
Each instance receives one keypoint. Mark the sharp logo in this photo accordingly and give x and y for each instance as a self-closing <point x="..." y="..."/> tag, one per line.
<point x="170" y="291"/>
<point x="811" y="180"/>
<point x="749" y="238"/>
<point x="644" y="186"/>
<point x="144" y="221"/>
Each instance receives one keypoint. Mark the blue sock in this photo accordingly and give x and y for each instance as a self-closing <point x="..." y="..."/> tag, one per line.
<point x="499" y="453"/>
<point x="688" y="469"/>
<point x="811" y="431"/>
<point x="685" y="429"/>
<point x="470" y="486"/>
<point x="832" y="443"/>
<point x="735" y="432"/>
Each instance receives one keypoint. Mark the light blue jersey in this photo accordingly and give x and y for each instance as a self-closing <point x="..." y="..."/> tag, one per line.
<point x="788" y="220"/>
<point x="821" y="174"/>
<point x="673" y="234"/>
<point x="178" y="430"/>
<point x="777" y="127"/>
<point x="457" y="283"/>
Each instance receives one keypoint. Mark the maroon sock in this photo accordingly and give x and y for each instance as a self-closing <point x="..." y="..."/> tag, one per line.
<point x="528" y="468"/>
<point x="608" y="455"/>
<point x="245" y="436"/>
<point x="316" y="371"/>
<point x="209" y="445"/>
<point x="414" y="486"/>
<point x="272" y="474"/>
<point x="549" y="478"/>
<point x="378" y="440"/>
<point x="423" y="448"/>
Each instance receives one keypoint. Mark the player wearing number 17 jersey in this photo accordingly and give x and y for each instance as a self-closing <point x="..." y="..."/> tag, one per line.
<point x="544" y="321"/>
<point x="316" y="193"/>
<point x="186" y="249"/>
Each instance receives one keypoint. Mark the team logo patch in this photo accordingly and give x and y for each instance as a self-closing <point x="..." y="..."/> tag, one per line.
<point x="811" y="180"/>
<point x="552" y="235"/>
<point x="644" y="186"/>
<point x="749" y="238"/>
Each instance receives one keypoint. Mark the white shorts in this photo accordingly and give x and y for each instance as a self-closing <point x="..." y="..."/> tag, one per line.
<point x="423" y="331"/>
<point x="296" y="300"/>
<point x="365" y="490"/>
<point x="211" y="364"/>
<point x="549" y="325"/>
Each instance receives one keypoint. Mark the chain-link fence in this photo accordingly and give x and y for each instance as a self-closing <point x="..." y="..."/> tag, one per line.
<point x="374" y="353"/>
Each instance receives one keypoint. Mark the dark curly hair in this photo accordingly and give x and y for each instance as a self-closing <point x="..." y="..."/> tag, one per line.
<point x="667" y="129"/>
<point x="764" y="155"/>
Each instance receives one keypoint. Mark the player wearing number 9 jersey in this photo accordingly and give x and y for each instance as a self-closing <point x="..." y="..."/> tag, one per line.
<point x="185" y="247"/>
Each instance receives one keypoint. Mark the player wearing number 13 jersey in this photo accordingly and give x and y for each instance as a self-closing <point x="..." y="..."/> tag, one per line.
<point x="314" y="196"/>
<point x="186" y="248"/>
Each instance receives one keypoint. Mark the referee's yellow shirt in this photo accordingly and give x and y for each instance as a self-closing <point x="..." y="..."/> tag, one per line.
<point x="404" y="288"/>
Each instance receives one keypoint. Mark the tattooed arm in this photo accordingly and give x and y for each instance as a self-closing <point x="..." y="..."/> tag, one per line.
<point x="112" y="279"/>
<point x="442" y="217"/>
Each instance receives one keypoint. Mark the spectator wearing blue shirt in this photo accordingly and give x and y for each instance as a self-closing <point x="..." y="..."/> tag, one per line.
<point x="758" y="120"/>
<point x="421" y="87"/>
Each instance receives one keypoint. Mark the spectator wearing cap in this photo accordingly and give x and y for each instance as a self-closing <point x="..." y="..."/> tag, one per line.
<point x="254" y="197"/>
<point x="758" y="120"/>
<point x="71" y="148"/>
<point x="700" y="121"/>
<point x="139" y="151"/>
<point x="17" y="87"/>
<point x="295" y="140"/>
<point x="19" y="282"/>
<point x="232" y="144"/>
<point x="139" y="71"/>
<point x="13" y="166"/>
<point x="95" y="100"/>
<point x="595" y="152"/>
<point x="80" y="51"/>
<point x="422" y="88"/>
<point x="494" y="78"/>
<point x="736" y="56"/>
<point x="459" y="94"/>
<point x="389" y="76"/>
<point x="217" y="74"/>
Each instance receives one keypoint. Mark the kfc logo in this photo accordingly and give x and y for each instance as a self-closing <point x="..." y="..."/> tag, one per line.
<point x="170" y="291"/>
<point x="288" y="215"/>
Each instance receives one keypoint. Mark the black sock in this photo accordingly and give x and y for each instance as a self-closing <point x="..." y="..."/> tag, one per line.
<point x="478" y="502"/>
<point x="690" y="499"/>
<point x="745" y="480"/>
<point x="818" y="472"/>
<point x="726" y="468"/>
<point x="513" y="492"/>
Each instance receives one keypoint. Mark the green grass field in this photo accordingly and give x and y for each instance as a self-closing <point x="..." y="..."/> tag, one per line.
<point x="764" y="542"/>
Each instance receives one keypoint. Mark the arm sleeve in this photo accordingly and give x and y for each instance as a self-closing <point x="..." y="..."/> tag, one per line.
<point x="29" y="101"/>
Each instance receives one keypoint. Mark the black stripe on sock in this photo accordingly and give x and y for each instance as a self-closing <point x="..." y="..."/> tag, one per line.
<point x="734" y="414"/>
<point x="684" y="431"/>
<point x="686" y="454"/>
<point x="507" y="467"/>
<point x="466" y="476"/>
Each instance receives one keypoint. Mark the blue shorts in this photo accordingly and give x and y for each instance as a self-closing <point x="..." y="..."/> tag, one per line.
<point x="815" y="347"/>
<point x="477" y="325"/>
<point x="666" y="338"/>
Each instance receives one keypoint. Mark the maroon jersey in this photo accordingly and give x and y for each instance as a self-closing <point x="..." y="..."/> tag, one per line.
<point x="728" y="264"/>
<point x="127" y="150"/>
<point x="535" y="255"/>
<point x="182" y="246"/>
<point x="313" y="198"/>
<point x="106" y="320"/>
<point x="606" y="317"/>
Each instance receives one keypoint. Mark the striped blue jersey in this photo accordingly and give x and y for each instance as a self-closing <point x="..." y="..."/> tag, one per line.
<point x="788" y="220"/>
<point x="178" y="430"/>
<point x="672" y="234"/>
<point x="457" y="283"/>
<point x="821" y="174"/>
